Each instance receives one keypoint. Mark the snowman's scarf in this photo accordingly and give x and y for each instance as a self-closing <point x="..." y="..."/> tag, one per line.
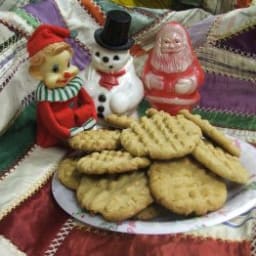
<point x="108" y="80"/>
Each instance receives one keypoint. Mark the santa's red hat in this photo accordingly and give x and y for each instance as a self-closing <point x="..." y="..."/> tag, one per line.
<point x="45" y="35"/>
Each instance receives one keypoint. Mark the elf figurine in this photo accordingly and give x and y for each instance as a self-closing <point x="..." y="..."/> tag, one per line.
<point x="64" y="108"/>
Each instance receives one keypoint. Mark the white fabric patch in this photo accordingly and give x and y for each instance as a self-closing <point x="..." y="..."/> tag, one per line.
<point x="78" y="19"/>
<point x="9" y="249"/>
<point x="29" y="175"/>
<point x="14" y="20"/>
<point x="233" y="22"/>
<point x="11" y="58"/>
<point x="5" y="33"/>
<point x="20" y="86"/>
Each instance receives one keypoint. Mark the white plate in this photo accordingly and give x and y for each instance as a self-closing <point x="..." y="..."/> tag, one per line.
<point x="240" y="200"/>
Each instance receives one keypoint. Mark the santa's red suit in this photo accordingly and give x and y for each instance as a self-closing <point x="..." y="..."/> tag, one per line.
<point x="167" y="98"/>
<point x="61" y="109"/>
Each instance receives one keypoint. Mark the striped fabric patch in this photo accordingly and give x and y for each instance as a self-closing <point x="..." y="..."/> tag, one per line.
<point x="11" y="40"/>
<point x="31" y="20"/>
<point x="59" y="94"/>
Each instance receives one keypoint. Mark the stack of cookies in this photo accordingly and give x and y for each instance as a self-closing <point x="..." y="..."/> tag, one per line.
<point x="147" y="167"/>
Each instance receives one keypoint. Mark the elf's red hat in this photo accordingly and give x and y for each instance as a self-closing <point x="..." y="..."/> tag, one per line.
<point x="45" y="35"/>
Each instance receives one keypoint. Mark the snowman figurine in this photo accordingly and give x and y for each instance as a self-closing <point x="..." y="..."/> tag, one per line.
<point x="111" y="79"/>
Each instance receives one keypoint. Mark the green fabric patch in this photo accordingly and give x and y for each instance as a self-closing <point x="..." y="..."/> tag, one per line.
<point x="19" y="137"/>
<point x="228" y="120"/>
<point x="139" y="21"/>
<point x="143" y="106"/>
<point x="31" y="20"/>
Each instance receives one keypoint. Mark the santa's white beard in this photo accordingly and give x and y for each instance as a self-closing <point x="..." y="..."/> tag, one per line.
<point x="171" y="62"/>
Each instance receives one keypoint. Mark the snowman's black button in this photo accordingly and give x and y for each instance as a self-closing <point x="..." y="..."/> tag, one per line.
<point x="102" y="98"/>
<point x="100" y="115"/>
<point x="100" y="109"/>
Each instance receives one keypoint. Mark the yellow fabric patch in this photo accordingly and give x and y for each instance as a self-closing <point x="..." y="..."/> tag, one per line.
<point x="145" y="3"/>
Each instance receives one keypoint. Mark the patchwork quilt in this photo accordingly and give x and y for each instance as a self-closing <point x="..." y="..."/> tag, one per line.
<point x="31" y="222"/>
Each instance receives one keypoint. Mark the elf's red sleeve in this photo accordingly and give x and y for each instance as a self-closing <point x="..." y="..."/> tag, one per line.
<point x="47" y="119"/>
<point x="87" y="108"/>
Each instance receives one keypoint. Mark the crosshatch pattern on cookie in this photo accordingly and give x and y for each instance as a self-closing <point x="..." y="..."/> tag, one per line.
<point x="184" y="187"/>
<point x="212" y="133"/>
<point x="220" y="162"/>
<point x="161" y="136"/>
<point x="111" y="162"/>
<point x="116" y="198"/>
<point x="96" y="140"/>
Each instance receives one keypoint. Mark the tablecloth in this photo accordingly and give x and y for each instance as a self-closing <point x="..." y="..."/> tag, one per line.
<point x="31" y="222"/>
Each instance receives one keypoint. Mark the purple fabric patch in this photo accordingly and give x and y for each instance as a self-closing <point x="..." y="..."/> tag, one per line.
<point x="198" y="32"/>
<point x="245" y="41"/>
<point x="228" y="94"/>
<point x="47" y="12"/>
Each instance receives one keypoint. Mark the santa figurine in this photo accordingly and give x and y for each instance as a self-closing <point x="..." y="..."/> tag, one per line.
<point x="64" y="108"/>
<point x="111" y="78"/>
<point x="172" y="74"/>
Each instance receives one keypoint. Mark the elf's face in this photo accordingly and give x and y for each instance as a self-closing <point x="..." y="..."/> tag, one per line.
<point x="57" y="71"/>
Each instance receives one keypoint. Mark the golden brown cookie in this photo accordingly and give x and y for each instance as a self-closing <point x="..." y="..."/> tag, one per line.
<point x="119" y="121"/>
<point x="161" y="136"/>
<point x="111" y="162"/>
<point x="185" y="187"/>
<point x="96" y="140"/>
<point x="68" y="174"/>
<point x="220" y="162"/>
<point x="115" y="198"/>
<point x="212" y="133"/>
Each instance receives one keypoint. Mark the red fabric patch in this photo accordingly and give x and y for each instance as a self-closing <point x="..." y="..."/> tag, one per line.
<point x="33" y="224"/>
<point x="243" y="3"/>
<point x="100" y="243"/>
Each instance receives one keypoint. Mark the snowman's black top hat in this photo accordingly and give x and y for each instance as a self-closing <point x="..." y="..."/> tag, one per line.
<point x="114" y="34"/>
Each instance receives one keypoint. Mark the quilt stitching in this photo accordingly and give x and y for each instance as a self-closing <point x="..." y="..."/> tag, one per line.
<point x="6" y="79"/>
<point x="9" y="42"/>
<point x="28" y="17"/>
<point x="77" y="41"/>
<point x="218" y="43"/>
<point x="30" y="191"/>
<point x="236" y="121"/>
<point x="60" y="237"/>
<point x="220" y="68"/>
<point x="94" y="10"/>
<point x="139" y="37"/>
<point x="18" y="30"/>
<point x="16" y="163"/>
